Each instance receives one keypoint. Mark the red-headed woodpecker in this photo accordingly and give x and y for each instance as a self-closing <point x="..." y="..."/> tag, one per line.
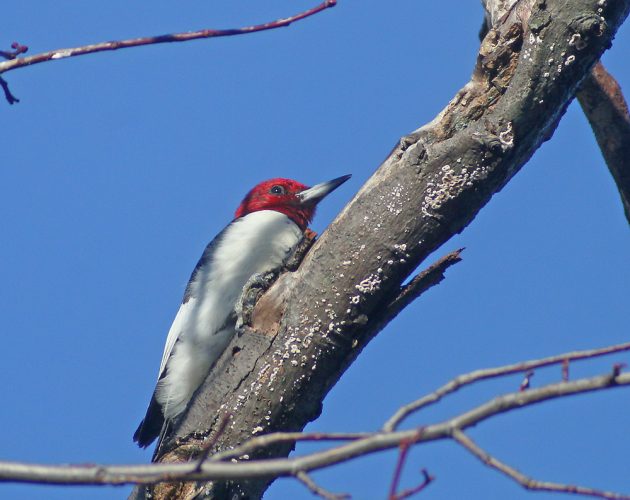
<point x="268" y="224"/>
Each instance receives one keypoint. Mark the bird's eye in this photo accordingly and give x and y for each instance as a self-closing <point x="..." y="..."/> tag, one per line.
<point x="277" y="189"/>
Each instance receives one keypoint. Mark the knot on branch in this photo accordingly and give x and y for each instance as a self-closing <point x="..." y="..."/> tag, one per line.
<point x="588" y="25"/>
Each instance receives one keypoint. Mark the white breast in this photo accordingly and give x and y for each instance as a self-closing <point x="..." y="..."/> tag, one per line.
<point x="252" y="244"/>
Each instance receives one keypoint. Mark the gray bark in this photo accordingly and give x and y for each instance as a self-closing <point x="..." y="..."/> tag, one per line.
<point x="312" y="324"/>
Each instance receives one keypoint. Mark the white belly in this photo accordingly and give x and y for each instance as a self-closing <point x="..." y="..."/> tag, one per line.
<point x="201" y="331"/>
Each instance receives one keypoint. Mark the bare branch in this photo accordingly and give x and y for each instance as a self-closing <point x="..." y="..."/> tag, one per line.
<point x="525" y="481"/>
<point x="307" y="481"/>
<point x="271" y="468"/>
<point x="20" y="62"/>
<point x="400" y="463"/>
<point x="472" y="377"/>
<point x="285" y="437"/>
<point x="426" y="480"/>
<point x="428" y="278"/>
<point x="402" y="457"/>
<point x="208" y="446"/>
<point x="11" y="99"/>
<point x="603" y="103"/>
<point x="565" y="370"/>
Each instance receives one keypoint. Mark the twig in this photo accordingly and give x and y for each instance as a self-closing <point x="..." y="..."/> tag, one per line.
<point x="361" y="445"/>
<point x="472" y="377"/>
<point x="11" y="99"/>
<point x="526" y="381"/>
<point x="603" y="103"/>
<point x="307" y="481"/>
<point x="428" y="278"/>
<point x="400" y="463"/>
<point x="426" y="480"/>
<point x="12" y="54"/>
<point x="272" y="468"/>
<point x="525" y="481"/>
<point x="19" y="62"/>
<point x="208" y="446"/>
<point x="617" y="367"/>
<point x="286" y="437"/>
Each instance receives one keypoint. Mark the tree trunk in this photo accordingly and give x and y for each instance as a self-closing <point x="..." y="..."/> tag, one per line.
<point x="312" y="324"/>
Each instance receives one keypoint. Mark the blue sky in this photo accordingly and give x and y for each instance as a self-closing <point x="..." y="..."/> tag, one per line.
<point x="118" y="168"/>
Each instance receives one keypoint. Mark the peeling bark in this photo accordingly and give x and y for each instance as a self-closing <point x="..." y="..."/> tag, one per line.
<point x="275" y="375"/>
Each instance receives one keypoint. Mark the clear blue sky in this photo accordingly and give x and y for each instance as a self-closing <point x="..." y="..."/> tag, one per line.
<point x="118" y="168"/>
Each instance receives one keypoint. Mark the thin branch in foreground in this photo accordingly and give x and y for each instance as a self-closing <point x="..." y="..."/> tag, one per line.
<point x="426" y="480"/>
<point x="208" y="446"/>
<point x="431" y="276"/>
<point x="400" y="463"/>
<point x="11" y="99"/>
<point x="96" y="474"/>
<point x="525" y="481"/>
<point x="478" y="375"/>
<point x="307" y="481"/>
<point x="603" y="104"/>
<point x="19" y="62"/>
<point x="285" y="437"/>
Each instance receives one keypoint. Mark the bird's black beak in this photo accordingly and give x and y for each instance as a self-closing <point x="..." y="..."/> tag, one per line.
<point x="314" y="194"/>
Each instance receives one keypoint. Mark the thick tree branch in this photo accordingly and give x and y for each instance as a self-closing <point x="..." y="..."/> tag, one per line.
<point x="20" y="62"/>
<point x="312" y="324"/>
<point x="603" y="103"/>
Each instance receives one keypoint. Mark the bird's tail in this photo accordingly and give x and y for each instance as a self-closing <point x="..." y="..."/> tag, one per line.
<point x="151" y="425"/>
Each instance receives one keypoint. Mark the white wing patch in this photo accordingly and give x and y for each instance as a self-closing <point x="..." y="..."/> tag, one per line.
<point x="176" y="329"/>
<point x="253" y="244"/>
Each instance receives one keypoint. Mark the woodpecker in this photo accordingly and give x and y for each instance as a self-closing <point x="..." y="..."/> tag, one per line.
<point x="267" y="225"/>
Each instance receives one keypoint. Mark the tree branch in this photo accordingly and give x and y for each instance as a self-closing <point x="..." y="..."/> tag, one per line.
<point x="362" y="444"/>
<point x="11" y="99"/>
<point x="307" y="481"/>
<point x="400" y="463"/>
<point x="501" y="371"/>
<point x="20" y="62"/>
<point x="603" y="103"/>
<point x="312" y="324"/>
<point x="525" y="481"/>
<point x="428" y="278"/>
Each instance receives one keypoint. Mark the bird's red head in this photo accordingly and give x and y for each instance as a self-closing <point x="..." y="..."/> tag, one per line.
<point x="292" y="198"/>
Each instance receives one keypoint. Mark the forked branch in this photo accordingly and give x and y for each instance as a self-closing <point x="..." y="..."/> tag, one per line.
<point x="235" y="464"/>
